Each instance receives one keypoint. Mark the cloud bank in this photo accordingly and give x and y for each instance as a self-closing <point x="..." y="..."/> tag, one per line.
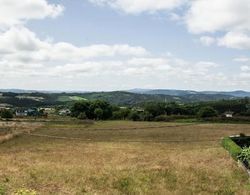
<point x="27" y="61"/>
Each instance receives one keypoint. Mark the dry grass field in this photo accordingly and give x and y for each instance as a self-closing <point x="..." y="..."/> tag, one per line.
<point x="119" y="157"/>
<point x="10" y="129"/>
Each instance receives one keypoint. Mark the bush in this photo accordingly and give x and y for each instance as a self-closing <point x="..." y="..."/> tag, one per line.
<point x="2" y="190"/>
<point x="235" y="119"/>
<point x="164" y="118"/>
<point x="244" y="156"/>
<point x="247" y="113"/>
<point x="117" y="115"/>
<point x="172" y="118"/>
<point x="207" y="112"/>
<point x="6" y="114"/>
<point x="231" y="147"/>
<point x="125" y="185"/>
<point x="146" y="116"/>
<point x="135" y="116"/>
<point x="98" y="113"/>
<point x="82" y="116"/>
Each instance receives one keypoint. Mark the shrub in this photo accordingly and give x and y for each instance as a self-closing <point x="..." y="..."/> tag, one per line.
<point x="82" y="116"/>
<point x="235" y="119"/>
<point x="207" y="112"/>
<point x="135" y="116"/>
<point x="117" y="115"/>
<point x="164" y="118"/>
<point x="146" y="116"/>
<point x="231" y="147"/>
<point x="6" y="114"/>
<point x="125" y="185"/>
<point x="2" y="190"/>
<point x="244" y="156"/>
<point x="167" y="118"/>
<point x="98" y="113"/>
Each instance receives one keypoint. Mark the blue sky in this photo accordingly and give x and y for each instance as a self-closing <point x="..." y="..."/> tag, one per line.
<point x="123" y="44"/>
<point x="84" y="23"/>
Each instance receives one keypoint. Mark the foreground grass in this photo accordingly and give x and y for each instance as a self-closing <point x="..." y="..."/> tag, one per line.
<point x="123" y="158"/>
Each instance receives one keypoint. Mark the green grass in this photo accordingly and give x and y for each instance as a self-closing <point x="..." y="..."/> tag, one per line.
<point x="121" y="157"/>
<point x="70" y="98"/>
<point x="232" y="147"/>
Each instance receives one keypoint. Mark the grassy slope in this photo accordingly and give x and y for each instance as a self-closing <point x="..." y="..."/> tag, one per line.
<point x="123" y="157"/>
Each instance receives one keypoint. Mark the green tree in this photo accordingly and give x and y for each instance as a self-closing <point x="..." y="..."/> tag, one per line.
<point x="82" y="116"/>
<point x="98" y="113"/>
<point x="147" y="116"/>
<point x="207" y="112"/>
<point x="134" y="115"/>
<point x="80" y="107"/>
<point x="155" y="109"/>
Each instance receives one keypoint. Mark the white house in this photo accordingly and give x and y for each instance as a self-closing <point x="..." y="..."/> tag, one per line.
<point x="64" y="112"/>
<point x="21" y="113"/>
<point x="228" y="114"/>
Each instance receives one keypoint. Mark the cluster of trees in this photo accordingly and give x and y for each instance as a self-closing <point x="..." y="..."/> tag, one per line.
<point x="157" y="111"/>
<point x="99" y="110"/>
<point x="102" y="110"/>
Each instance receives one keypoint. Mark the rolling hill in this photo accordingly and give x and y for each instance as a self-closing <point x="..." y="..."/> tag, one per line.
<point x="122" y="98"/>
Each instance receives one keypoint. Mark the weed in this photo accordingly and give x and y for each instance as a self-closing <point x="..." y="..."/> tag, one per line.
<point x="125" y="185"/>
<point x="2" y="190"/>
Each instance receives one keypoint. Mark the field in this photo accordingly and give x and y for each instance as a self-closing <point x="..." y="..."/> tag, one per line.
<point x="120" y="157"/>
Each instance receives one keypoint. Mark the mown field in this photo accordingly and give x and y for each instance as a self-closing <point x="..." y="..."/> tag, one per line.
<point x="118" y="157"/>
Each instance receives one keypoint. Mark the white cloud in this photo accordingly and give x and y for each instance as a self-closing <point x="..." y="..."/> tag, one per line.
<point x="26" y="61"/>
<point x="14" y="12"/>
<point x="222" y="15"/>
<point x="24" y="55"/>
<point x="226" y="16"/>
<point x="245" y="68"/>
<point x="236" y="40"/>
<point x="20" y="44"/>
<point x="241" y="59"/>
<point x="169" y="68"/>
<point x="139" y="6"/>
<point x="207" y="41"/>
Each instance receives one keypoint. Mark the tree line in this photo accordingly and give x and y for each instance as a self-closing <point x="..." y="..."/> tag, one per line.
<point x="154" y="111"/>
<point x="157" y="111"/>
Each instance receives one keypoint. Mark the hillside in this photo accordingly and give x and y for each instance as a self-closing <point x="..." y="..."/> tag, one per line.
<point x="34" y="99"/>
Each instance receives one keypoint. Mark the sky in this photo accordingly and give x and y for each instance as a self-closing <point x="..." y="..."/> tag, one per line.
<point x="104" y="45"/>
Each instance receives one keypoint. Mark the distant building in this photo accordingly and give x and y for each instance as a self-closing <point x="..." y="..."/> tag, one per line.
<point x="138" y="109"/>
<point x="48" y="110"/>
<point x="64" y="112"/>
<point x="21" y="112"/>
<point x="228" y="114"/>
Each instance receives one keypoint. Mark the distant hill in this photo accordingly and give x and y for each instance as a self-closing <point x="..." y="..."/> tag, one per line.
<point x="164" y="92"/>
<point x="190" y="92"/>
<point x="122" y="98"/>
<point x="17" y="91"/>
<point x="232" y="93"/>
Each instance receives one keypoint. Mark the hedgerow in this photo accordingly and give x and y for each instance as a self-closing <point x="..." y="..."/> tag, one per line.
<point x="231" y="147"/>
